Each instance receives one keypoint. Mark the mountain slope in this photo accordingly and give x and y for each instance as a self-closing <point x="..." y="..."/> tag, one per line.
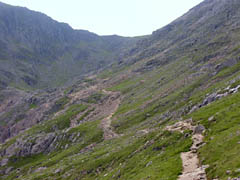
<point x="174" y="93"/>
<point x="37" y="51"/>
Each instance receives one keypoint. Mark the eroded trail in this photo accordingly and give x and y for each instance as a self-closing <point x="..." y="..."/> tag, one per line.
<point x="192" y="170"/>
<point x="104" y="109"/>
<point x="113" y="104"/>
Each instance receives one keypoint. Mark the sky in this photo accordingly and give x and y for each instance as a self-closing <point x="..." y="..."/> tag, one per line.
<point x="108" y="17"/>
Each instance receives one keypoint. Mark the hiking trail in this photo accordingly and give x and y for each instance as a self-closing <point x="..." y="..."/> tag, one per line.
<point x="192" y="170"/>
<point x="113" y="104"/>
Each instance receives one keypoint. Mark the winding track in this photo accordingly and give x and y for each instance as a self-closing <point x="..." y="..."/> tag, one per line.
<point x="191" y="165"/>
<point x="106" y="122"/>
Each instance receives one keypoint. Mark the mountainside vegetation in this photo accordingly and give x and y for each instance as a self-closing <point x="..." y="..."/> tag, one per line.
<point x="170" y="99"/>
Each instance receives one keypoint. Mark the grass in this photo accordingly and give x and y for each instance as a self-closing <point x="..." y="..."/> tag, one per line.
<point x="228" y="71"/>
<point x="85" y="115"/>
<point x="94" y="98"/>
<point x="154" y="156"/>
<point x="89" y="133"/>
<point x="222" y="137"/>
<point x="62" y="101"/>
<point x="61" y="122"/>
<point x="33" y="106"/>
<point x="124" y="86"/>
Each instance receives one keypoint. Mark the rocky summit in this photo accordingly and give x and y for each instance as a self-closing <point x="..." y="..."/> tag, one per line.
<point x="76" y="105"/>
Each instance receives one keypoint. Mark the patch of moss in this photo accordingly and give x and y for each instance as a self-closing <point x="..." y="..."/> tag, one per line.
<point x="33" y="106"/>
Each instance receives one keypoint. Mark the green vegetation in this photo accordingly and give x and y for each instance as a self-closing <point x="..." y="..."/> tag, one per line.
<point x="85" y="115"/>
<point x="94" y="98"/>
<point x="62" y="121"/>
<point x="62" y="101"/>
<point x="89" y="133"/>
<point x="235" y="84"/>
<point x="152" y="156"/>
<point x="222" y="136"/>
<point x="33" y="106"/>
<point x="228" y="71"/>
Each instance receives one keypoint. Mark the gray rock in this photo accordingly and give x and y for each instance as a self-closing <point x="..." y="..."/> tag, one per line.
<point x="4" y="162"/>
<point x="8" y="170"/>
<point x="228" y="172"/>
<point x="212" y="118"/>
<point x="66" y="146"/>
<point x="30" y="146"/>
<point x="194" y="108"/>
<point x="209" y="99"/>
<point x="199" y="129"/>
<point x="42" y="143"/>
<point x="148" y="164"/>
<point x="40" y="169"/>
<point x="57" y="171"/>
<point x="219" y="96"/>
<point x="234" y="90"/>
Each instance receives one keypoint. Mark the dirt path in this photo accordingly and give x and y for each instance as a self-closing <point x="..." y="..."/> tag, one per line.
<point x="191" y="165"/>
<point x="105" y="109"/>
<point x="113" y="105"/>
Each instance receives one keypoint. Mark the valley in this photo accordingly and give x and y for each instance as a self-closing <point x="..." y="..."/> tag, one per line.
<point x="163" y="106"/>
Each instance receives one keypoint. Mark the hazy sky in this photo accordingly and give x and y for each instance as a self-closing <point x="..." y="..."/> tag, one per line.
<point x="106" y="17"/>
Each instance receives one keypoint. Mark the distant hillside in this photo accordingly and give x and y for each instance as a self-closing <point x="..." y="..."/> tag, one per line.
<point x="36" y="51"/>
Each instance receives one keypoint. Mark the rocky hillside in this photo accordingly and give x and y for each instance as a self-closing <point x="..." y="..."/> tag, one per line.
<point x="169" y="109"/>
<point x="38" y="52"/>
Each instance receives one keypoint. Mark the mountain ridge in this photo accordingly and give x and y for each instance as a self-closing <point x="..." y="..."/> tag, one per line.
<point x="32" y="40"/>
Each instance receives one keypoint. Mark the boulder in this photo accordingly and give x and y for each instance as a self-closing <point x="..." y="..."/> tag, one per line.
<point x="40" y="169"/>
<point x="212" y="118"/>
<point x="4" y="162"/>
<point x="209" y="99"/>
<point x="30" y="146"/>
<point x="8" y="170"/>
<point x="194" y="108"/>
<point x="199" y="129"/>
<point x="57" y="171"/>
<point x="149" y="163"/>
<point x="42" y="143"/>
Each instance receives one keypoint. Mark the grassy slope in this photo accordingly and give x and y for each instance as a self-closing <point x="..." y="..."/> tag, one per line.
<point x="222" y="137"/>
<point x="132" y="156"/>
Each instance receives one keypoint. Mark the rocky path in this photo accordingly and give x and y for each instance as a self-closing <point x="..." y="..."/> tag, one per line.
<point x="113" y="105"/>
<point x="104" y="109"/>
<point x="191" y="165"/>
